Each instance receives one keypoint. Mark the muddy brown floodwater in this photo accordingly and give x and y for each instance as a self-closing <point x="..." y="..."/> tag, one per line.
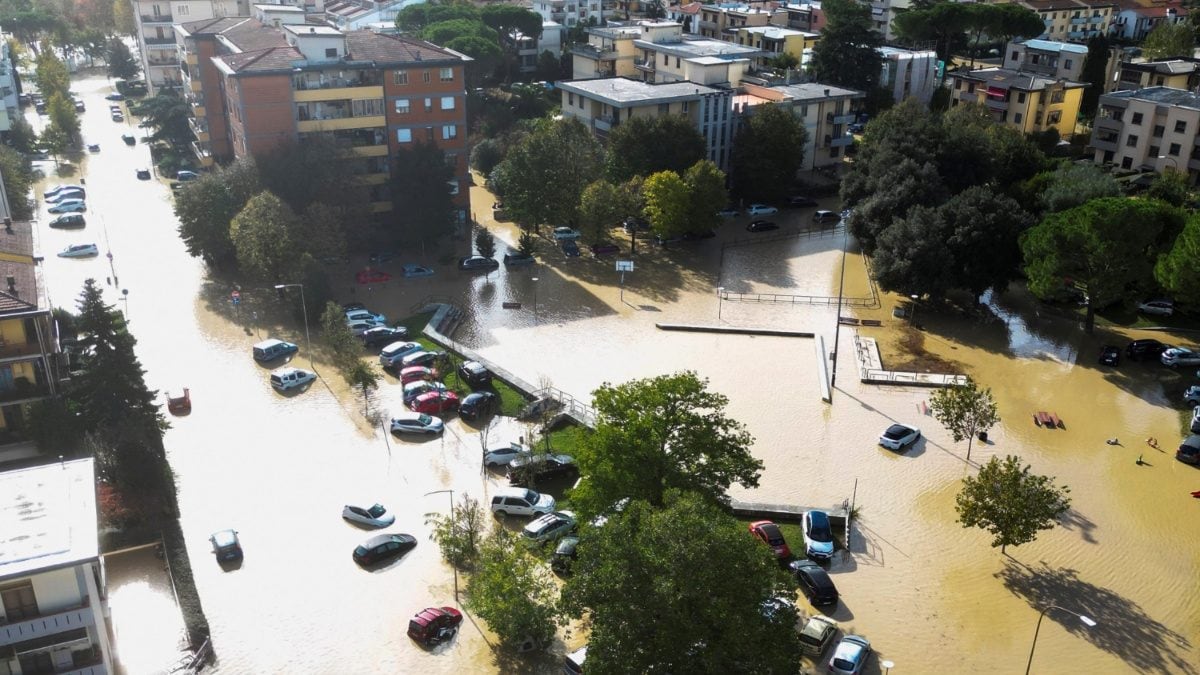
<point x="931" y="596"/>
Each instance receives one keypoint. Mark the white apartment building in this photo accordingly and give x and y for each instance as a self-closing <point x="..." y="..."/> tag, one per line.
<point x="156" y="21"/>
<point x="665" y="54"/>
<point x="361" y="14"/>
<point x="883" y="13"/>
<point x="825" y="110"/>
<point x="54" y="616"/>
<point x="570" y="12"/>
<point x="9" y="106"/>
<point x="909" y="74"/>
<point x="1150" y="129"/>
<point x="1052" y="58"/>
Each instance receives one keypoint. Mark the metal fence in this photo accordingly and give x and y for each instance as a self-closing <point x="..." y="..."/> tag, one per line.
<point x="580" y="411"/>
<point x="782" y="298"/>
<point x="804" y="233"/>
<point x="873" y="376"/>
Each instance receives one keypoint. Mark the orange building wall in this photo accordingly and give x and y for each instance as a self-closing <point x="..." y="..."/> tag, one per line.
<point x="417" y="90"/>
<point x="260" y="112"/>
<point x="214" y="104"/>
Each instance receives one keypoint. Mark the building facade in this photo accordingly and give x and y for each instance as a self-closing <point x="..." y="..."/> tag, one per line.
<point x="1025" y="101"/>
<point x="1073" y="20"/>
<point x="1173" y="74"/>
<point x="721" y="22"/>
<point x="10" y="87"/>
<point x="666" y="55"/>
<point x="826" y="112"/>
<point x="1051" y="58"/>
<point x="808" y="17"/>
<point x="773" y="41"/>
<point x="156" y="21"/>
<point x="570" y="13"/>
<point x="54" y="616"/>
<point x="1134" y="19"/>
<point x="909" y="74"/>
<point x="609" y="52"/>
<point x="883" y="13"/>
<point x="1152" y="129"/>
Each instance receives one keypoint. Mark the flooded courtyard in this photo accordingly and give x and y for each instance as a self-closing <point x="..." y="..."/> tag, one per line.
<point x="931" y="596"/>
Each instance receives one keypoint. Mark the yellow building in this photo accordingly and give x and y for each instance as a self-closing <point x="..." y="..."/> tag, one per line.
<point x="775" y="41"/>
<point x="1025" y="101"/>
<point x="1073" y="20"/>
<point x="1172" y="74"/>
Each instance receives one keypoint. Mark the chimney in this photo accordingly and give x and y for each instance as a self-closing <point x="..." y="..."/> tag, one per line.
<point x="12" y="284"/>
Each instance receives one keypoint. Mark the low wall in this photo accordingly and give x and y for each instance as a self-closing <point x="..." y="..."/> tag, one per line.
<point x="732" y="330"/>
<point x="784" y="512"/>
<point x="871" y="371"/>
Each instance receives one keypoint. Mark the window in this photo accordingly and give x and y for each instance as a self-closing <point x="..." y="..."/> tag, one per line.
<point x="1173" y="150"/>
<point x="400" y="77"/>
<point x="1017" y="118"/>
<point x="425" y="77"/>
<point x="402" y="106"/>
<point x="428" y="105"/>
<point x="664" y="108"/>
<point x="1158" y="130"/>
<point x="19" y="602"/>
<point x="1020" y="97"/>
<point x="447" y="103"/>
<point x="1053" y="117"/>
<point x="453" y="187"/>
<point x="1131" y="140"/>
<point x="570" y="99"/>
<point x="1015" y="55"/>
<point x="331" y="53"/>
<point x="1154" y="151"/>
<point x="685" y="106"/>
<point x="1137" y="118"/>
<point x="666" y="59"/>
<point x="449" y="131"/>
<point x="447" y="74"/>
<point x="1057" y="96"/>
<point x="183" y="10"/>
<point x="1067" y="63"/>
<point x="1180" y="127"/>
<point x="404" y="135"/>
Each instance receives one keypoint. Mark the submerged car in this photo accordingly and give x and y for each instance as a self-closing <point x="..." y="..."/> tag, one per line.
<point x="417" y="374"/>
<point x="383" y="547"/>
<point x="522" y="470"/>
<point x="478" y="404"/>
<point x="68" y="220"/>
<point x="79" y="251"/>
<point x="69" y="206"/>
<point x="416" y="271"/>
<point x="1157" y="307"/>
<point x="434" y="625"/>
<point x="51" y="193"/>
<point x="761" y="226"/>
<point x="850" y="656"/>
<point x="226" y="545"/>
<point x="285" y="379"/>
<point x="1110" y="355"/>
<point x="504" y="455"/>
<point x="770" y="534"/>
<point x="1147" y="348"/>
<point x="434" y="402"/>
<point x="564" y="233"/>
<point x="373" y="516"/>
<point x="815" y="583"/>
<point x="898" y="435"/>
<point x="383" y="335"/>
<point x="416" y="423"/>
<point x="816" y="636"/>
<point x="818" y="535"/>
<point x="1180" y="356"/>
<point x="762" y="210"/>
<point x="477" y="262"/>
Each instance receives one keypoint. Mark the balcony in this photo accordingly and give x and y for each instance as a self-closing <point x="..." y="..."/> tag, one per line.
<point x="840" y="119"/>
<point x="344" y="122"/>
<point x="594" y="52"/>
<point x="199" y="128"/>
<point x="159" y="40"/>
<point x="161" y="61"/>
<point x="18" y="351"/>
<point x="645" y="66"/>
<point x="159" y="18"/>
<point x="192" y="59"/>
<point x="841" y="142"/>
<point x="338" y="93"/>
<point x="203" y="153"/>
<point x="1079" y="20"/>
<point x="48" y="624"/>
<point x="366" y="79"/>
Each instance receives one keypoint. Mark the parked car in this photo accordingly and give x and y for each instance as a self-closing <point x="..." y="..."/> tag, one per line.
<point x="383" y="335"/>
<point x="117" y="117"/>
<point x="423" y="359"/>
<point x="417" y="374"/>
<point x="382" y="257"/>
<point x="478" y="404"/>
<point x="1110" y="355"/>
<point x="372" y="516"/>
<point x="605" y="248"/>
<point x="564" y="555"/>
<point x="818" y="535"/>
<point x="761" y="226"/>
<point x="762" y="210"/>
<point x="366" y="315"/>
<point x="186" y="176"/>
<point x="1189" y="450"/>
<point x="114" y="97"/>
<point x="798" y="201"/>
<point x="519" y="501"/>
<point x="477" y="262"/>
<point x="414" y="389"/>
<point x="573" y="662"/>
<point x="434" y="625"/>
<point x="503" y="455"/>
<point x="383" y="547"/>
<point x="549" y="527"/>
<point x="69" y="206"/>
<point x="1192" y="396"/>
<point x="729" y="212"/>
<point x="1180" y="356"/>
<point x="416" y="423"/>
<point x="850" y="656"/>
<point x="570" y="248"/>
<point x="51" y="193"/>
<point x="564" y="233"/>
<point x="698" y="235"/>
<point x="770" y="534"/>
<point x="1157" y="307"/>
<point x="271" y="349"/>
<point x="823" y="216"/>
<point x="816" y="636"/>
<point x="392" y="355"/>
<point x="142" y="174"/>
<point x="79" y="251"/>
<point x="474" y="374"/>
<point x="226" y="545"/>
<point x="285" y="379"/>
<point x="815" y="583"/>
<point x="129" y="139"/>
<point x="415" y="271"/>
<point x="358" y="328"/>
<point x="521" y="470"/>
<point x="1194" y="425"/>
<point x="67" y="192"/>
<point x="1140" y="349"/>
<point x="898" y="435"/>
<point x="434" y="402"/>
<point x="68" y="220"/>
<point x="516" y="259"/>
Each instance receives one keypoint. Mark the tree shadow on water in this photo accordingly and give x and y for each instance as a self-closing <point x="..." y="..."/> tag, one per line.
<point x="1122" y="628"/>
<point x="1074" y="520"/>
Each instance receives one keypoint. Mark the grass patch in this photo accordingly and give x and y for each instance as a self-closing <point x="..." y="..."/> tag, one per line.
<point x="568" y="439"/>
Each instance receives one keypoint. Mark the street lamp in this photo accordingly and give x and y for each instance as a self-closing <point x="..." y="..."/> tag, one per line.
<point x="887" y="666"/>
<point x="452" y="567"/>
<point x="535" y="314"/>
<point x="1086" y="620"/>
<point x="720" y="299"/>
<point x="303" y="308"/>
<point x="1172" y="160"/>
<point x="837" y="328"/>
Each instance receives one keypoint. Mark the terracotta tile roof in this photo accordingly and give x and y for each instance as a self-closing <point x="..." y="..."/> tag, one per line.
<point x="365" y="45"/>
<point x="262" y="60"/>
<point x="251" y="35"/>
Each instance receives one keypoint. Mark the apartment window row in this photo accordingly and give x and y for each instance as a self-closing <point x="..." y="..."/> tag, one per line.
<point x="404" y="105"/>
<point x="400" y="77"/>
<point x="448" y="132"/>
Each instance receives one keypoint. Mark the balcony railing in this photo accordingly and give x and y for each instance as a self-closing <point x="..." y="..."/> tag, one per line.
<point x="160" y="18"/>
<point x="159" y="40"/>
<point x="840" y="119"/>
<point x="594" y="52"/>
<point x="48" y="624"/>
<point x="18" y="350"/>
<point x="24" y="390"/>
<point x="302" y="84"/>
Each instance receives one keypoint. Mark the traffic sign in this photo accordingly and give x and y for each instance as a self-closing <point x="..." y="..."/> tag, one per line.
<point x="624" y="265"/>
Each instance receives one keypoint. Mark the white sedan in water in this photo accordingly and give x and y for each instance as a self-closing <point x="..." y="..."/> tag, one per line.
<point x="899" y="435"/>
<point x="416" y="423"/>
<point x="374" y="516"/>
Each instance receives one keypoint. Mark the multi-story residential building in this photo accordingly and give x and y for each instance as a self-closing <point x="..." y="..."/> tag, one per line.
<point x="1025" y="101"/>
<point x="721" y="22"/>
<point x="773" y="41"/>
<point x="156" y="21"/>
<point x="883" y="13"/>
<point x="686" y="15"/>
<point x="1134" y="19"/>
<point x="1172" y="73"/>
<point x="10" y="88"/>
<point x="54" y="616"/>
<point x="1155" y="128"/>
<point x="666" y="55"/>
<point x="261" y="81"/>
<point x="1052" y="58"/>
<point x="361" y="14"/>
<point x="609" y="52"/>
<point x="1073" y="20"/>
<point x="529" y="49"/>
<point x="807" y="16"/>
<point x="570" y="13"/>
<point x="826" y="112"/>
<point x="909" y="74"/>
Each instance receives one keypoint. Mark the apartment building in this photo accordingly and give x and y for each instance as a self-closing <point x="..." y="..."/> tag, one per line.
<point x="1152" y="129"/>
<point x="361" y="14"/>
<point x="603" y="104"/>
<point x="721" y="22"/>
<point x="1134" y="19"/>
<point x="10" y="87"/>
<point x="54" y="616"/>
<point x="609" y="52"/>
<point x="1073" y="20"/>
<point x="826" y="112"/>
<point x="256" y="82"/>
<point x="1025" y="101"/>
<point x="570" y="13"/>
<point x="773" y="41"/>
<point x="909" y="74"/>
<point x="665" y="54"/>
<point x="807" y="16"/>
<point x="529" y="48"/>
<point x="687" y="15"/>
<point x="1171" y="73"/>
<point x="883" y="13"/>
<point x="1051" y="58"/>
<point x="156" y="21"/>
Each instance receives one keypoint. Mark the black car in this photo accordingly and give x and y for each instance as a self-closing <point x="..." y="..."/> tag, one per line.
<point x="383" y="547"/>
<point x="799" y="201"/>
<point x="632" y="225"/>
<point x="697" y="236"/>
<point x="475" y="374"/>
<point x="1110" y="356"/>
<point x="1144" y="349"/>
<point x="143" y="174"/>
<point x="226" y="545"/>
<point x="478" y="404"/>
<point x="381" y="336"/>
<point x="761" y="226"/>
<point x="525" y="470"/>
<point x="605" y="248"/>
<point x="518" y="258"/>
<point x="69" y="220"/>
<point x="570" y="248"/>
<point x="815" y="583"/>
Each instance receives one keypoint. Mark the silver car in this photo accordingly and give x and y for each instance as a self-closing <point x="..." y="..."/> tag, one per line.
<point x="850" y="656"/>
<point x="416" y="423"/>
<point x="373" y="516"/>
<point x="549" y="527"/>
<point x="1180" y="356"/>
<point x="503" y="456"/>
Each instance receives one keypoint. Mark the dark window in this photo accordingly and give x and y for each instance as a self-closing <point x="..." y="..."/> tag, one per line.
<point x="1020" y="97"/>
<point x="1137" y="118"/>
<point x="331" y="53"/>
<point x="1154" y="151"/>
<point x="1015" y="56"/>
<point x="1173" y="150"/>
<point x="19" y="602"/>
<point x="1017" y="118"/>
<point x="1180" y="127"/>
<point x="1158" y="130"/>
<point x="1131" y="140"/>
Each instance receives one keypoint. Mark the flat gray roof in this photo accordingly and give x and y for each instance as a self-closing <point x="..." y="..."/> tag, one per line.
<point x="699" y="47"/>
<point x="48" y="517"/>
<point x="813" y="91"/>
<point x="1163" y="95"/>
<point x="621" y="92"/>
<point x="1055" y="46"/>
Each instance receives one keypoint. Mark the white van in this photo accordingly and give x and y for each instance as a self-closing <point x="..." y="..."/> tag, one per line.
<point x="269" y="350"/>
<point x="391" y="355"/>
<point x="518" y="501"/>
<point x="290" y="378"/>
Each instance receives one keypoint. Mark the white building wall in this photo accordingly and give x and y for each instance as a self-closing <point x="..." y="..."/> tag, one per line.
<point x="56" y="590"/>
<point x="910" y="75"/>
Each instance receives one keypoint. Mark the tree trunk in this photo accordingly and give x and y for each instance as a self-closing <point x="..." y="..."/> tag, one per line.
<point x="970" y="442"/>
<point x="1089" y="322"/>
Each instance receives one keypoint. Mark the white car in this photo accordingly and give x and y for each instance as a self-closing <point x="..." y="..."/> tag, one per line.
<point x="850" y="656"/>
<point x="899" y="435"/>
<point x="818" y="535"/>
<point x="79" y="251"/>
<point x="357" y="328"/>
<point x="364" y="315"/>
<point x="65" y="194"/>
<point x="374" y="516"/>
<point x="1180" y="356"/>
<point x="565" y="233"/>
<point x="49" y="194"/>
<point x="416" y="423"/>
<point x="68" y="206"/>
<point x="549" y="527"/>
<point x="391" y="355"/>
<point x="503" y="456"/>
<point x="284" y="379"/>
<point x="762" y="210"/>
<point x="1157" y="307"/>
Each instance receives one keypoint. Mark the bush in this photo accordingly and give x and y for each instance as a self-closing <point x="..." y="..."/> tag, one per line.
<point x="459" y="536"/>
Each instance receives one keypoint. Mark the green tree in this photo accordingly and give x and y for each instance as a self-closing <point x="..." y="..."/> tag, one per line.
<point x="848" y="52"/>
<point x="314" y="171"/>
<point x="1176" y="270"/>
<point x="338" y="339"/>
<point x="51" y="74"/>
<point x="55" y="140"/>
<point x="15" y="171"/>
<point x="965" y="410"/>
<point x="486" y="154"/>
<point x="123" y="20"/>
<point x="550" y="68"/>
<point x="504" y="19"/>
<point x="1168" y="40"/>
<point x="544" y="174"/>
<point x="527" y="243"/>
<point x="1092" y="247"/>
<point x="22" y="137"/>
<point x="600" y="208"/>
<point x="767" y="153"/>
<point x="1095" y="73"/>
<point x="61" y="112"/>
<point x="422" y="206"/>
<point x="167" y="113"/>
<point x="1010" y="502"/>
<point x="459" y="535"/>
<point x="661" y="433"/>
<point x="1171" y="187"/>
<point x="641" y="146"/>
<point x="512" y="591"/>
<point x="207" y="207"/>
<point x="322" y="230"/>
<point x="706" y="195"/>
<point x="667" y="206"/>
<point x="701" y="604"/>
<point x="413" y="18"/>
<point x="1072" y="185"/>
<point x="485" y="243"/>
<point x="784" y="61"/>
<point x="942" y="21"/>
<point x="263" y="235"/>
<point x="121" y="62"/>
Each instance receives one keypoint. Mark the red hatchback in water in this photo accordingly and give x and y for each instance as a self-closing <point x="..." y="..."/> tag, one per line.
<point x="434" y="625"/>
<point x="433" y="402"/>
<point x="770" y="535"/>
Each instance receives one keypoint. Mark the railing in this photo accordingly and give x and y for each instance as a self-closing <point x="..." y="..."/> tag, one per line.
<point x="17" y="350"/>
<point x="337" y="83"/>
<point x="49" y="624"/>
<point x="922" y="379"/>
<point x="159" y="18"/>
<point x="23" y="392"/>
<point x="591" y="51"/>
<point x="783" y="236"/>
<point x="781" y="298"/>
<point x="571" y="406"/>
<point x="159" y="40"/>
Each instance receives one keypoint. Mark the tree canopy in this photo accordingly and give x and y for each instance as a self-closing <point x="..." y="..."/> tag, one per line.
<point x="642" y="146"/>
<point x="168" y="114"/>
<point x="848" y="52"/>
<point x="262" y="234"/>
<point x="767" y="153"/>
<point x="1169" y="39"/>
<point x="1010" y="502"/>
<point x="121" y="62"/>
<point x="206" y="207"/>
<point x="422" y="206"/>
<point x="18" y="179"/>
<point x="545" y="172"/>
<point x="1176" y="270"/>
<point x="513" y="592"/>
<point x="965" y="410"/>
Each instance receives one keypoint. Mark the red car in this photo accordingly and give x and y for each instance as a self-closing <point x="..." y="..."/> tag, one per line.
<point x="771" y="535"/>
<point x="368" y="276"/>
<point x="417" y="373"/>
<point x="433" y="625"/>
<point x="432" y="402"/>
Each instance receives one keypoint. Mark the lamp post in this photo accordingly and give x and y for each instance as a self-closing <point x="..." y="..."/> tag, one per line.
<point x="837" y="328"/>
<point x="452" y="567"/>
<point x="125" y="299"/>
<point x="535" y="314"/>
<point x="1174" y="162"/>
<point x="720" y="299"/>
<point x="887" y="666"/>
<point x="303" y="308"/>
<point x="1086" y="620"/>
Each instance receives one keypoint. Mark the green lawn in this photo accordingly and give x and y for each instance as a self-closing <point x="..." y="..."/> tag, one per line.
<point x="566" y="440"/>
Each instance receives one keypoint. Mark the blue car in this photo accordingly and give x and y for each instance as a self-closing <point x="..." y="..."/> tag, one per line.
<point x="69" y="206"/>
<point x="416" y="271"/>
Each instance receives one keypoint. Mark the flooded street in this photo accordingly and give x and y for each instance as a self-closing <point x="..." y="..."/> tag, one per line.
<point x="931" y="596"/>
